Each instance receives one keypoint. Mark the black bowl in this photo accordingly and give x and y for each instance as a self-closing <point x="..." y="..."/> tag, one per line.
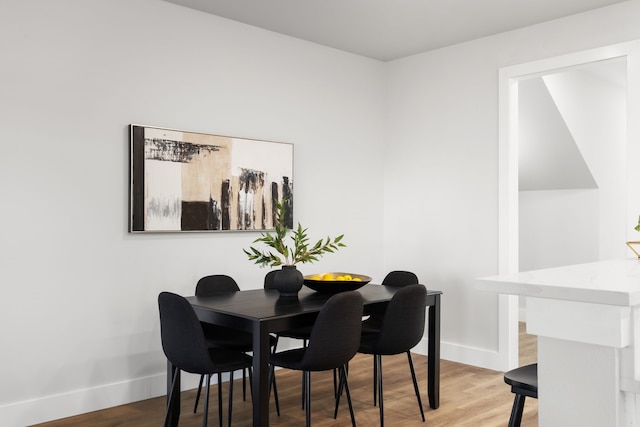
<point x="335" y="286"/>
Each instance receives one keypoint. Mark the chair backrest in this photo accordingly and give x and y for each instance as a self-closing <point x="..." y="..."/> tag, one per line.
<point x="335" y="336"/>
<point x="216" y="284"/>
<point x="403" y="323"/>
<point x="268" y="279"/>
<point x="183" y="341"/>
<point x="400" y="278"/>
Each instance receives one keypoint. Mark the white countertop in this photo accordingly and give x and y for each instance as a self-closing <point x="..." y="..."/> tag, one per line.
<point x="614" y="282"/>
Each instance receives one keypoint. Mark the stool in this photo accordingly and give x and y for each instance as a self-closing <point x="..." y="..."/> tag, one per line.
<point x="523" y="382"/>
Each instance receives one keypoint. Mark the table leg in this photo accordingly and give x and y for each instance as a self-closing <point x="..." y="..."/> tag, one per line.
<point x="260" y="380"/>
<point x="173" y="405"/>
<point x="433" y="369"/>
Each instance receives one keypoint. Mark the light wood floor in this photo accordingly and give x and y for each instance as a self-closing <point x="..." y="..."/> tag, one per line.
<point x="469" y="396"/>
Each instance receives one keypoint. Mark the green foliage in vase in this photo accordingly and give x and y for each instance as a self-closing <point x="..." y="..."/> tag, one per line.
<point x="637" y="227"/>
<point x="301" y="252"/>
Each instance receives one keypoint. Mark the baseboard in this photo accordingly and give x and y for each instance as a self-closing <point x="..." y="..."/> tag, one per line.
<point x="81" y="401"/>
<point x="91" y="399"/>
<point x="479" y="357"/>
<point x="55" y="407"/>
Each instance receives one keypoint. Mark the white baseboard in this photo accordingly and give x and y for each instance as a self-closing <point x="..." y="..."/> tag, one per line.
<point x="479" y="357"/>
<point x="81" y="401"/>
<point x="54" y="407"/>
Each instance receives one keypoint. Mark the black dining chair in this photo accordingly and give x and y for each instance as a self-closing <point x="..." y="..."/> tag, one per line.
<point x="401" y="329"/>
<point x="221" y="336"/>
<point x="184" y="345"/>
<point x="523" y="382"/>
<point x="301" y="333"/>
<point x="333" y="342"/>
<point x="396" y="278"/>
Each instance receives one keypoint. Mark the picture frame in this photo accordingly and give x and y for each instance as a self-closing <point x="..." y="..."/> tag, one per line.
<point x="184" y="181"/>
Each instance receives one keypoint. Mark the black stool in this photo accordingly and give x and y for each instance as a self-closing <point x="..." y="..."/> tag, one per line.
<point x="523" y="382"/>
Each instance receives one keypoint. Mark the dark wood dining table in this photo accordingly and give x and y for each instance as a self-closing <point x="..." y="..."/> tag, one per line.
<point x="262" y="312"/>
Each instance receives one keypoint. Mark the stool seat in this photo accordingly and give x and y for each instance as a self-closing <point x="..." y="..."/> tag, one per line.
<point x="524" y="378"/>
<point x="523" y="382"/>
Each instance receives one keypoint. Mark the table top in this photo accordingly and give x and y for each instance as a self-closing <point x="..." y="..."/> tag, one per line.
<point x="612" y="282"/>
<point x="259" y="304"/>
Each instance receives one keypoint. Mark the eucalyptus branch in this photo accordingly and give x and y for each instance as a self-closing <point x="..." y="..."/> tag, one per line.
<point x="301" y="252"/>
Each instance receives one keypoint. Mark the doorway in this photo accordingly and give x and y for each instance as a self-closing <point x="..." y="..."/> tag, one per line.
<point x="567" y="195"/>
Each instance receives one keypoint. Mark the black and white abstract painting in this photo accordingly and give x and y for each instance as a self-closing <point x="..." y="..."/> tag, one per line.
<point x="190" y="181"/>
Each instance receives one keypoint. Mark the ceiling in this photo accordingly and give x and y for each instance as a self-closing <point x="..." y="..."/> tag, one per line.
<point x="391" y="29"/>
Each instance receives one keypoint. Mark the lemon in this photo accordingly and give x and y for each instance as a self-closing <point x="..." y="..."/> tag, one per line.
<point x="316" y="277"/>
<point x="341" y="278"/>
<point x="348" y="277"/>
<point x="357" y="279"/>
<point x="327" y="276"/>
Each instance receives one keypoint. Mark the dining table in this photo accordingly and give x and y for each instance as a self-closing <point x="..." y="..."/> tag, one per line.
<point x="263" y="312"/>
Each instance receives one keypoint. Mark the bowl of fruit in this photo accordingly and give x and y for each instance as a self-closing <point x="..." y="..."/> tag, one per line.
<point x="332" y="283"/>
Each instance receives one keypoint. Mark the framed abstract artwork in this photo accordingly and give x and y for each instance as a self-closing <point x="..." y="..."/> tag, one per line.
<point x="190" y="181"/>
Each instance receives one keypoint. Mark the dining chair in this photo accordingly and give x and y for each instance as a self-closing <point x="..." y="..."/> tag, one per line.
<point x="396" y="278"/>
<point x="333" y="341"/>
<point x="301" y="333"/>
<point x="221" y="336"/>
<point x="523" y="382"/>
<point x="184" y="345"/>
<point x="401" y="329"/>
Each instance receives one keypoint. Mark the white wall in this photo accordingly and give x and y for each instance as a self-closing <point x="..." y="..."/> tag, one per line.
<point x="442" y="164"/>
<point x="559" y="227"/>
<point x="78" y="316"/>
<point x="416" y="189"/>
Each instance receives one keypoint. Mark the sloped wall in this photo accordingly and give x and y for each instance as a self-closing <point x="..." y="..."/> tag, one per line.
<point x="573" y="201"/>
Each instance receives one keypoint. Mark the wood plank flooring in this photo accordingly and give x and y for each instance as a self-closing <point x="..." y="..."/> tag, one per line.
<point x="469" y="396"/>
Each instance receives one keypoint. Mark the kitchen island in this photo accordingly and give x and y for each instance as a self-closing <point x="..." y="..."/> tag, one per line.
<point x="587" y="321"/>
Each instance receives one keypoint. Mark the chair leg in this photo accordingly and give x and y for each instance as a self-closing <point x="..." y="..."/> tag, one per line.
<point x="415" y="384"/>
<point x="244" y="384"/>
<point x="375" y="380"/>
<point x="272" y="381"/>
<point x="307" y="397"/>
<point x="220" y="398"/>
<point x="346" y="388"/>
<point x="338" y="390"/>
<point x="170" y="397"/>
<point x="231" y="394"/>
<point x="304" y="345"/>
<point x="380" y="398"/>
<point x="343" y="383"/>
<point x="516" y="411"/>
<point x="304" y="384"/>
<point x="337" y="381"/>
<point x="206" y="402"/>
<point x="195" y="408"/>
<point x="272" y="384"/>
